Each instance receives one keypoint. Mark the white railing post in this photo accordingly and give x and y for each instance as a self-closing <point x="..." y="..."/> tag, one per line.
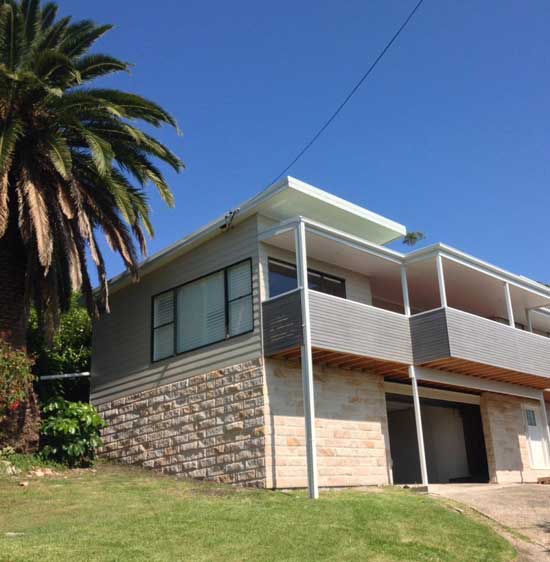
<point x="441" y="280"/>
<point x="307" y="362"/>
<point x="419" y="430"/>
<point x="509" y="308"/>
<point x="546" y="428"/>
<point x="529" y="319"/>
<point x="405" y="289"/>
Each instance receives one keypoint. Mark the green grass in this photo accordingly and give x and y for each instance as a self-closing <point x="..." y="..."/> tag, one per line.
<point x="122" y="514"/>
<point x="25" y="463"/>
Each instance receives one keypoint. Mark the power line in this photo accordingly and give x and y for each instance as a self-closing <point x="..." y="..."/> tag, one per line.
<point x="351" y="93"/>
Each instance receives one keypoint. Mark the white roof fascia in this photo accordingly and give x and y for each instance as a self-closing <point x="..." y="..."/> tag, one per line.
<point x="353" y="241"/>
<point x="202" y="234"/>
<point x="346" y="205"/>
<point x="332" y="234"/>
<point x="246" y="209"/>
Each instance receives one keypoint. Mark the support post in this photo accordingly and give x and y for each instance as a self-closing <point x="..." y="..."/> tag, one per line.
<point x="546" y="428"/>
<point x="419" y="430"/>
<point x="441" y="280"/>
<point x="509" y="308"/>
<point x="405" y="289"/>
<point x="529" y="319"/>
<point x="307" y="362"/>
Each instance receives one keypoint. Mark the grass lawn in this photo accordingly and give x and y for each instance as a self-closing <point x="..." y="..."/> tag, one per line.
<point x="124" y="514"/>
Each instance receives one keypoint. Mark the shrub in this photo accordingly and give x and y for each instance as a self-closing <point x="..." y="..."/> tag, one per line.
<point x="15" y="379"/>
<point x="71" y="432"/>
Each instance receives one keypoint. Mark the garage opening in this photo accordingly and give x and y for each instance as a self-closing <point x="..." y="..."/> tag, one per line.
<point x="453" y="439"/>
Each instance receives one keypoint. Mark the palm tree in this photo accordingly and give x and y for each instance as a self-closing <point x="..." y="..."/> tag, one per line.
<point x="73" y="163"/>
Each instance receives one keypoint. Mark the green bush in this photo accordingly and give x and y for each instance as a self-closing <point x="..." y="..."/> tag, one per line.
<point x="70" y="350"/>
<point x="15" y="378"/>
<point x="71" y="432"/>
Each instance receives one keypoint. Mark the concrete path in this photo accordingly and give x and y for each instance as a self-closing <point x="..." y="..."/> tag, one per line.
<point x="524" y="508"/>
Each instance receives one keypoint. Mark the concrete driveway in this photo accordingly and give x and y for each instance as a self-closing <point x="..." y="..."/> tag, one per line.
<point x="522" y="507"/>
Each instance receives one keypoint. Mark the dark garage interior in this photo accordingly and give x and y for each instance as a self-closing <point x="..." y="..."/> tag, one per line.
<point x="453" y="440"/>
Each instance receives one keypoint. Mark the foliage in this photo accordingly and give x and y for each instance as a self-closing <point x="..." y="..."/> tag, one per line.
<point x="412" y="238"/>
<point x="15" y="378"/>
<point x="128" y="514"/>
<point x="71" y="432"/>
<point x="73" y="158"/>
<point x="70" y="349"/>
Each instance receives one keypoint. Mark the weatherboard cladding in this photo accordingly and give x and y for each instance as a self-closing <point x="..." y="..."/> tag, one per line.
<point x="351" y="327"/>
<point x="429" y="336"/>
<point x="122" y="339"/>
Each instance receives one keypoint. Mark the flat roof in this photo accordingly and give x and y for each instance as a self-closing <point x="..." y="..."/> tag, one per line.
<point x="282" y="201"/>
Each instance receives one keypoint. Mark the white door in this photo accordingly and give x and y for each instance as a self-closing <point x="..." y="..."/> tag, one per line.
<point x="535" y="437"/>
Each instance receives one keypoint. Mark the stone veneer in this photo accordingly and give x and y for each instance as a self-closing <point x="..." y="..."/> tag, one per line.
<point x="208" y="426"/>
<point x="504" y="428"/>
<point x="351" y="427"/>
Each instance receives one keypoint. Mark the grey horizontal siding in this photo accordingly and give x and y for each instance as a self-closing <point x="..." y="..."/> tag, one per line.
<point x="429" y="337"/>
<point x="121" y="346"/>
<point x="282" y="321"/>
<point x="445" y="333"/>
<point x="478" y="339"/>
<point x="350" y="327"/>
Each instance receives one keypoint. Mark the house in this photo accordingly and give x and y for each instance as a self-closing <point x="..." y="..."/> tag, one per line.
<point x="224" y="364"/>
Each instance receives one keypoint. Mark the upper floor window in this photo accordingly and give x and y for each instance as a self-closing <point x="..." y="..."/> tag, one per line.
<point x="283" y="278"/>
<point x="205" y="311"/>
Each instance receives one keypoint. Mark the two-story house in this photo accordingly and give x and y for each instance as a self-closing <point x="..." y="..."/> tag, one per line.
<point x="285" y="345"/>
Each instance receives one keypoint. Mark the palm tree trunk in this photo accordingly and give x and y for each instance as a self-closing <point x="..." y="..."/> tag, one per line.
<point x="13" y="316"/>
<point x="21" y="428"/>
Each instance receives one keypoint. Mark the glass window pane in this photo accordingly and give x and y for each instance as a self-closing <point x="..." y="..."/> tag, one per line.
<point x="314" y="281"/>
<point x="335" y="287"/>
<point x="239" y="282"/>
<point x="163" y="342"/>
<point x="201" y="312"/>
<point x="531" y="418"/>
<point x="163" y="309"/>
<point x="240" y="316"/>
<point x="282" y="278"/>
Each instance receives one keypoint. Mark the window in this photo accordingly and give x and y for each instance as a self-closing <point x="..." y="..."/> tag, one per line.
<point x="283" y="278"/>
<point x="205" y="311"/>
<point x="531" y="418"/>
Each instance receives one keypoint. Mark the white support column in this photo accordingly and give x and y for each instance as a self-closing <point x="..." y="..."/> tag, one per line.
<point x="419" y="430"/>
<point x="405" y="289"/>
<point x="307" y="362"/>
<point x="546" y="428"/>
<point x="509" y="308"/>
<point x="529" y="319"/>
<point x="441" y="280"/>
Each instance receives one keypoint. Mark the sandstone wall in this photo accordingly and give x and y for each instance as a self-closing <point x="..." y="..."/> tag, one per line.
<point x="208" y="426"/>
<point x="351" y="427"/>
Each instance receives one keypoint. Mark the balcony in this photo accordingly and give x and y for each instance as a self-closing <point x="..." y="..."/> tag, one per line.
<point x="437" y="308"/>
<point x="464" y="343"/>
<point x="343" y="333"/>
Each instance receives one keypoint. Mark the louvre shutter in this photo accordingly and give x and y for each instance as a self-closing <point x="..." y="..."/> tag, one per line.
<point x="239" y="296"/>
<point x="201" y="312"/>
<point x="163" y="326"/>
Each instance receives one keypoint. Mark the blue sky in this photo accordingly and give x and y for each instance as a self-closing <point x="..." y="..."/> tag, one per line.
<point x="450" y="135"/>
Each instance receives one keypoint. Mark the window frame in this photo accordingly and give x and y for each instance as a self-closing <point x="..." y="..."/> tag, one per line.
<point x="175" y="289"/>
<point x="309" y="270"/>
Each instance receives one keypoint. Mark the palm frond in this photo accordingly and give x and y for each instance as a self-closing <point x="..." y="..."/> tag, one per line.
<point x="75" y="161"/>
<point x="38" y="214"/>
<point x="94" y="66"/>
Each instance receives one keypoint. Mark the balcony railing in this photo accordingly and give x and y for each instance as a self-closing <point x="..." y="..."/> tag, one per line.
<point x="450" y="333"/>
<point x="435" y="338"/>
<point x="338" y="325"/>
